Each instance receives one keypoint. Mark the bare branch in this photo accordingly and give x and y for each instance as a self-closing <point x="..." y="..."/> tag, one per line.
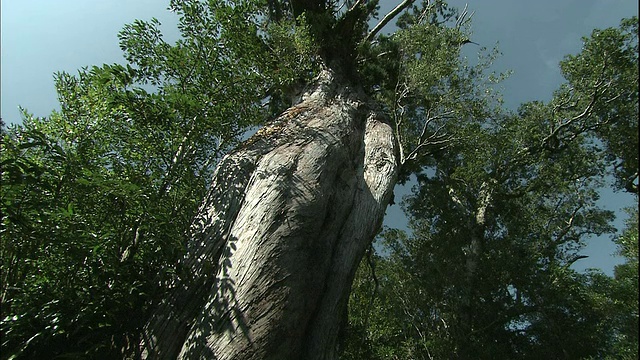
<point x="385" y="20"/>
<point x="445" y="115"/>
<point x="587" y="110"/>
<point x="570" y="224"/>
<point x="585" y="113"/>
<point x="442" y="140"/>
<point x="356" y="5"/>
<point x="463" y="17"/>
<point x="399" y="96"/>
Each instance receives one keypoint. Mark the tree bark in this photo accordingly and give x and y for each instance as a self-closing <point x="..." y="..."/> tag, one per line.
<point x="280" y="234"/>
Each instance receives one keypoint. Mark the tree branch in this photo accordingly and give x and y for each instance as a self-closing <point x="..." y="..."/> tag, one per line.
<point x="434" y="139"/>
<point x="385" y="20"/>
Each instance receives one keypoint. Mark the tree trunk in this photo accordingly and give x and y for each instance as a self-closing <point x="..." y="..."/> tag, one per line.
<point x="280" y="234"/>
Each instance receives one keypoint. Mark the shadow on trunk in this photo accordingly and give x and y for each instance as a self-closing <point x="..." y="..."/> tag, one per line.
<point x="285" y="224"/>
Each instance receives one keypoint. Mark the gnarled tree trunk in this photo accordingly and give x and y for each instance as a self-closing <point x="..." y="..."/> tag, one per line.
<point x="287" y="220"/>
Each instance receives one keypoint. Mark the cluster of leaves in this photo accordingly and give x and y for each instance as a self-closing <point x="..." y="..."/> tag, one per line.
<point x="498" y="220"/>
<point x="603" y="80"/>
<point x="624" y="292"/>
<point x="98" y="198"/>
<point x="96" y="206"/>
<point x="291" y="43"/>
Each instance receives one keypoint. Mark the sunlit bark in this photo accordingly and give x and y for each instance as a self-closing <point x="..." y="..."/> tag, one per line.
<point x="275" y="248"/>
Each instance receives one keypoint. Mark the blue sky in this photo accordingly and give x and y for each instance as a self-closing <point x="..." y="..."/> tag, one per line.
<point x="40" y="37"/>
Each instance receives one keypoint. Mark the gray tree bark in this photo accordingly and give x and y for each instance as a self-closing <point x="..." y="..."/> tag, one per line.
<point x="278" y="239"/>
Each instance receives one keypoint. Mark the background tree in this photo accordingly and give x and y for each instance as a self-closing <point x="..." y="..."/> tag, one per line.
<point x="497" y="223"/>
<point x="98" y="199"/>
<point x="607" y="68"/>
<point x="97" y="202"/>
<point x="625" y="292"/>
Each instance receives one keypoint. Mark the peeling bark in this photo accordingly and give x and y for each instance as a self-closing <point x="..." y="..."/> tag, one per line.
<point x="287" y="220"/>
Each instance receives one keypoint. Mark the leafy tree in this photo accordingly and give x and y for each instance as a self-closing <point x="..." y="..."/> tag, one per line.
<point x="104" y="192"/>
<point x="98" y="199"/>
<point x="625" y="292"/>
<point x="607" y="68"/>
<point x="498" y="220"/>
<point x="97" y="202"/>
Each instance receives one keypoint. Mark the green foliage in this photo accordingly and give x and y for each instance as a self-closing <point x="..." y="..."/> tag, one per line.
<point x="498" y="219"/>
<point x="295" y="56"/>
<point x="625" y="291"/>
<point x="292" y="44"/>
<point x="97" y="199"/>
<point x="603" y="83"/>
<point x="200" y="74"/>
<point x="226" y="48"/>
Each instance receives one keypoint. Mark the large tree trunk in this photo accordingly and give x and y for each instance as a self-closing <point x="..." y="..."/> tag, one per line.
<point x="275" y="248"/>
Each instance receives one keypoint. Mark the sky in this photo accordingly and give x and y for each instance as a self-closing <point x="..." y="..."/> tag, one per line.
<point x="41" y="37"/>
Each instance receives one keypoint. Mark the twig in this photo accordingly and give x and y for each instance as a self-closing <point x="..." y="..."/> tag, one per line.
<point x="385" y="20"/>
